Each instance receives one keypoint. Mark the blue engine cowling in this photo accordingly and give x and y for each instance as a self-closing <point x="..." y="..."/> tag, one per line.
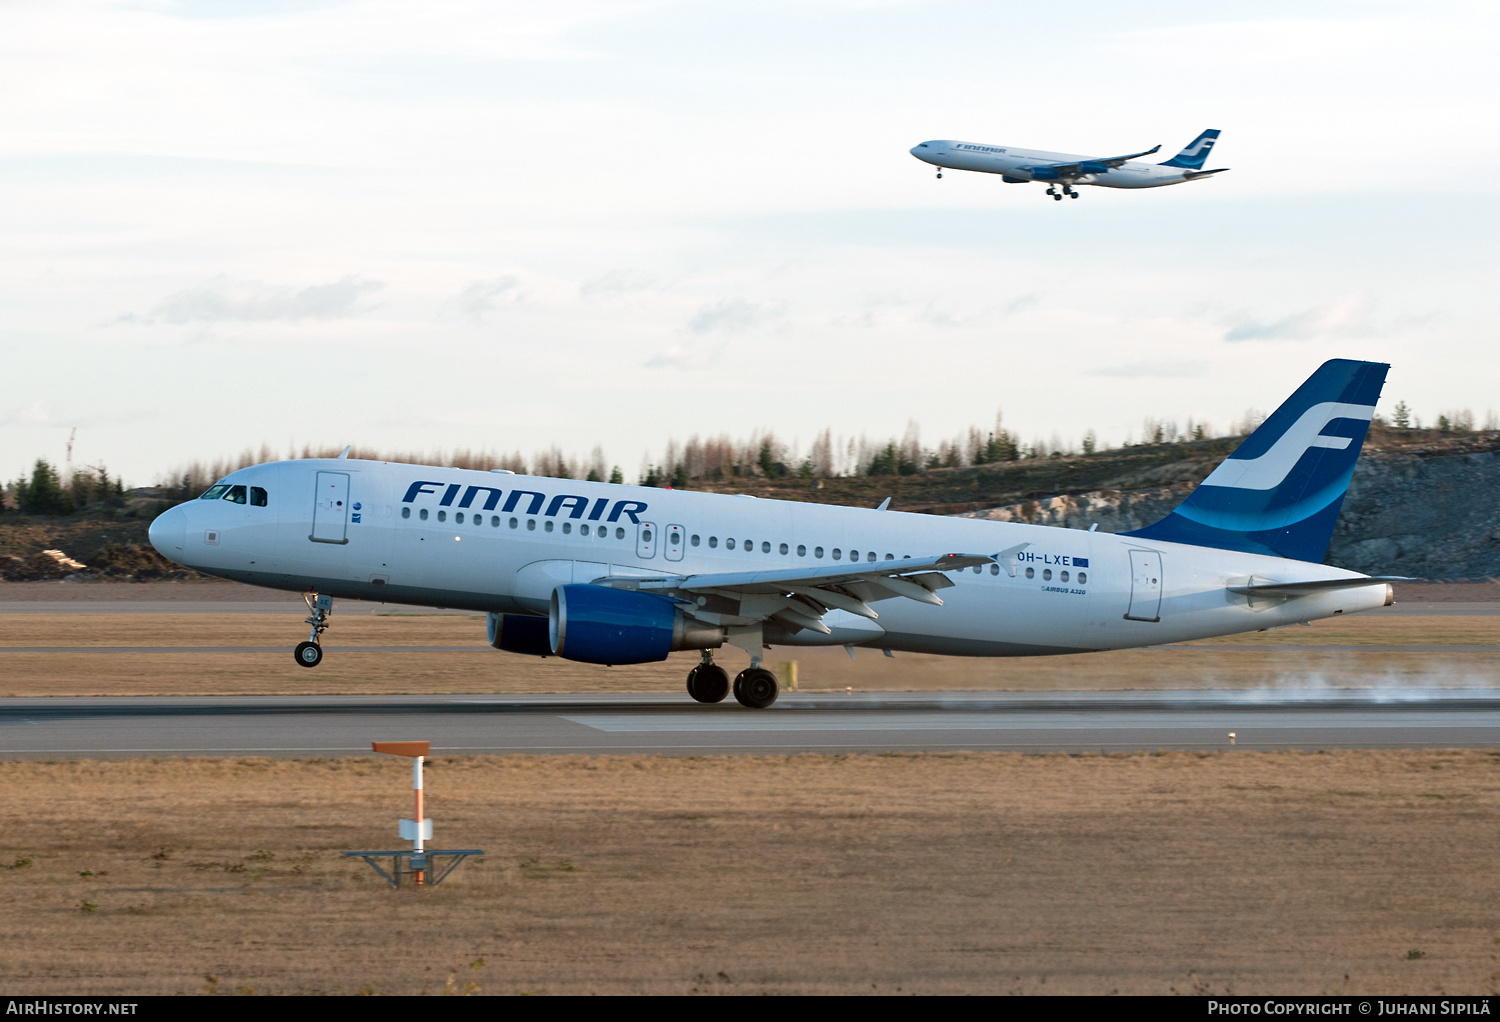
<point x="517" y="633"/>
<point x="597" y="625"/>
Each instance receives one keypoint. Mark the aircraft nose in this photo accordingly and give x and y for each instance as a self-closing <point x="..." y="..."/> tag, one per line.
<point x="168" y="533"/>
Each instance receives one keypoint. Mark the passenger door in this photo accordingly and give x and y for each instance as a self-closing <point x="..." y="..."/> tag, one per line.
<point x="331" y="508"/>
<point x="1145" y="586"/>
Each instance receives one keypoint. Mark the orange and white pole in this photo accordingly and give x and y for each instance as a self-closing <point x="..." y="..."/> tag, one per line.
<point x="416" y="783"/>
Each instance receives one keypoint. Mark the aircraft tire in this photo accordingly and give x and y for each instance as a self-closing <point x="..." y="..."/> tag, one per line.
<point x="1056" y="197"/>
<point x="308" y="654"/>
<point x="756" y="688"/>
<point x="708" y="683"/>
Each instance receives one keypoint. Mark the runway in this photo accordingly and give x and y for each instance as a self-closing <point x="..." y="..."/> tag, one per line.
<point x="799" y="722"/>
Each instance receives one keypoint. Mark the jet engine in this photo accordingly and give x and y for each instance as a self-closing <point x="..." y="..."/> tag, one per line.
<point x="598" y="625"/>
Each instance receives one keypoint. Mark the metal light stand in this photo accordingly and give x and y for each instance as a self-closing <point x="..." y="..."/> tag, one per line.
<point x="420" y="861"/>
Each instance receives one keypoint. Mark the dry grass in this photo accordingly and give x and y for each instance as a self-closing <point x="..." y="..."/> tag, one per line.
<point x="346" y="670"/>
<point x="1242" y="872"/>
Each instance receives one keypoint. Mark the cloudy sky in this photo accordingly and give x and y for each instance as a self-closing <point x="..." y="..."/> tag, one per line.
<point x="513" y="225"/>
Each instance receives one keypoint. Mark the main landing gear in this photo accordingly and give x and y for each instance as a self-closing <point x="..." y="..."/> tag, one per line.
<point x="1066" y="190"/>
<point x="755" y="687"/>
<point x="310" y="653"/>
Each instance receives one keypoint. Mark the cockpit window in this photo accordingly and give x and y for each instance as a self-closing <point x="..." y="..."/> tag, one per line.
<point x="214" y="492"/>
<point x="922" y="145"/>
<point x="258" y="497"/>
<point x="236" y="495"/>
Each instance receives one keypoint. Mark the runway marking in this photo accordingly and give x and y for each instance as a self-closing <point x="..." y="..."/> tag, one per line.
<point x="1075" y="721"/>
<point x="239" y="649"/>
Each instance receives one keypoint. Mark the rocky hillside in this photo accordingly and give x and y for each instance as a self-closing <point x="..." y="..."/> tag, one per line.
<point x="1426" y="514"/>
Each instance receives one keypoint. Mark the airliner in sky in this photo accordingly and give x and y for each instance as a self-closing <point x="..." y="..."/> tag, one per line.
<point x="1064" y="170"/>
<point x="611" y="574"/>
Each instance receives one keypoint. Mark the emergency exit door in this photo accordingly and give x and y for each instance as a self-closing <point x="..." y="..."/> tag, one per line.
<point x="1145" y="586"/>
<point x="331" y="508"/>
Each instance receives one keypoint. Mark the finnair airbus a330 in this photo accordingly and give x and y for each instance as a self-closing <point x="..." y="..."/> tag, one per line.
<point x="1063" y="170"/>
<point x="610" y="574"/>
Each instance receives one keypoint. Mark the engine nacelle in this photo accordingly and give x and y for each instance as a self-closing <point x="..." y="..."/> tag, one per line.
<point x="1042" y="173"/>
<point x="518" y="633"/>
<point x="598" y="625"/>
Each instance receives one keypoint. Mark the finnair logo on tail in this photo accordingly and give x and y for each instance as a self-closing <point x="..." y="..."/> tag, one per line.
<point x="1200" y="146"/>
<point x="1271" y="469"/>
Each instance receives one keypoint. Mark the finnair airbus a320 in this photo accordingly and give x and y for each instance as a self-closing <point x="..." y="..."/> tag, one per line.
<point x="1063" y="170"/>
<point x="610" y="574"/>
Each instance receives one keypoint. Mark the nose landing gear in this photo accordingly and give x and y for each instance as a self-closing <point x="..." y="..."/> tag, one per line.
<point x="940" y="175"/>
<point x="310" y="653"/>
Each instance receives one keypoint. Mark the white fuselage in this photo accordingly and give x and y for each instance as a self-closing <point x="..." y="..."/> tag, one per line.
<point x="523" y="536"/>
<point x="1011" y="162"/>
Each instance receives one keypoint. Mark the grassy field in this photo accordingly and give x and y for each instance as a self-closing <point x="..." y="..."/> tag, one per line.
<point x="1245" y="663"/>
<point x="978" y="873"/>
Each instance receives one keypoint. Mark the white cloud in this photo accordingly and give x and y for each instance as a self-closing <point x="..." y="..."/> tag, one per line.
<point x="732" y="315"/>
<point x="1350" y="316"/>
<point x="484" y="296"/>
<point x="224" y="299"/>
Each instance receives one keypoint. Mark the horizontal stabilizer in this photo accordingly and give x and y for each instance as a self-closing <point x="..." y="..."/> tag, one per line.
<point x="1322" y="585"/>
<point x="1188" y="175"/>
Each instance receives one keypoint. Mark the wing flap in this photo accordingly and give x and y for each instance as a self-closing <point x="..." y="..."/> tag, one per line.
<point x="784" y="579"/>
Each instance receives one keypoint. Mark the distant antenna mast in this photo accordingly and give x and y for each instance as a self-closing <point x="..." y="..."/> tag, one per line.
<point x="68" y="464"/>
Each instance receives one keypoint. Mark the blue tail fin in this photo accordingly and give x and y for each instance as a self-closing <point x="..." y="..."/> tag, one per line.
<point x="1196" y="152"/>
<point x="1281" y="490"/>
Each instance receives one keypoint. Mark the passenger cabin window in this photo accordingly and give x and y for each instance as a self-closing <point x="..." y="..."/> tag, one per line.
<point x="214" y="492"/>
<point x="1030" y="573"/>
<point x="406" y="512"/>
<point x="801" y="550"/>
<point x="818" y="552"/>
<point x="1083" y="577"/>
<point x="442" y="517"/>
<point x="422" y="514"/>
<point x="258" y="496"/>
<point x="459" y="517"/>
<point x="728" y="545"/>
<point x="713" y="541"/>
<point x="765" y="548"/>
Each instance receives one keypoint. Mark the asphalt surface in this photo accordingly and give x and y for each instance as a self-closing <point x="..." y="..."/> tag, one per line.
<point x="799" y="722"/>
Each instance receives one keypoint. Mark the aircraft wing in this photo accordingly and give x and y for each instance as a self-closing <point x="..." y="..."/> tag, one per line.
<point x="1102" y="165"/>
<point x="799" y="597"/>
<point x="1322" y="585"/>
